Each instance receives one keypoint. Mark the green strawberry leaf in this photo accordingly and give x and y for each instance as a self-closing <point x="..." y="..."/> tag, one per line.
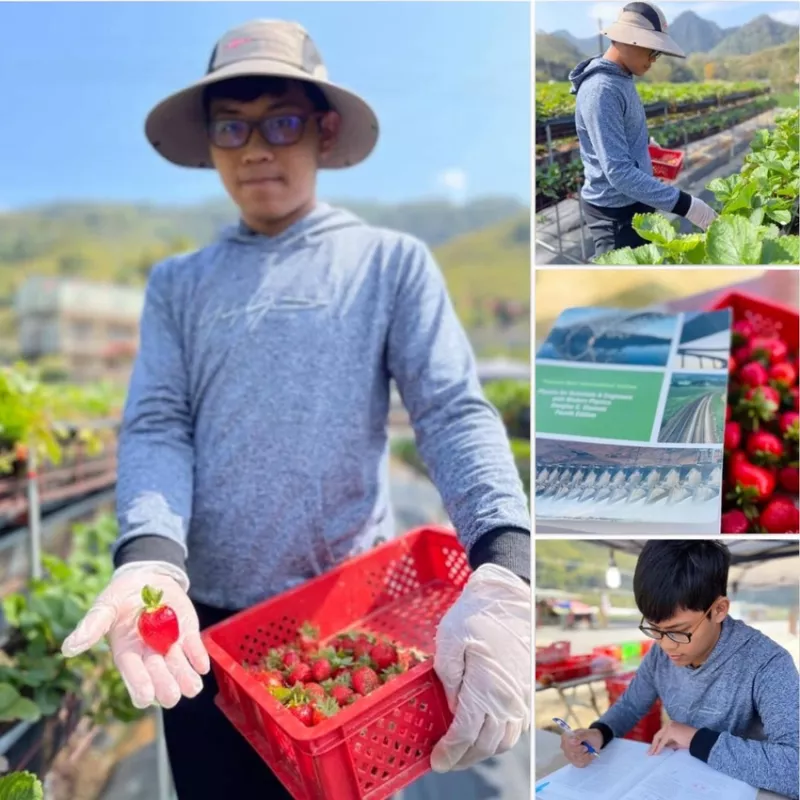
<point x="21" y="786"/>
<point x="779" y="216"/>
<point x="757" y="217"/>
<point x="13" y="706"/>
<point x="733" y="241"/>
<point x="622" y="257"/>
<point x="654" y="228"/>
<point x="760" y="140"/>
<point x="649" y="254"/>
<point x="784" y="249"/>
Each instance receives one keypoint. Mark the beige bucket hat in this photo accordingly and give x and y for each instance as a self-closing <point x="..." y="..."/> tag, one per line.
<point x="644" y="25"/>
<point x="176" y="127"/>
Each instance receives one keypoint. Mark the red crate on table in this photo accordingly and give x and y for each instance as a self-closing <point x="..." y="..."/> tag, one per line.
<point x="650" y="724"/>
<point x="372" y="749"/>
<point x="554" y="653"/>
<point x="568" y="670"/>
<point x="766" y="317"/>
<point x="666" y="163"/>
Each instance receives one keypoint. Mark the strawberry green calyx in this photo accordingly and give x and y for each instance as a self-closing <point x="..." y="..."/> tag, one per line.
<point x="152" y="598"/>
<point x="328" y="707"/>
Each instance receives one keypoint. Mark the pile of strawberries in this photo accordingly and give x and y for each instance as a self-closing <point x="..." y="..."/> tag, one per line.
<point x="315" y="681"/>
<point x="761" y="436"/>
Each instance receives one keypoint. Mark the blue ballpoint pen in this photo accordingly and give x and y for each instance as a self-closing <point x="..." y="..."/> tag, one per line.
<point x="541" y="786"/>
<point x="563" y="725"/>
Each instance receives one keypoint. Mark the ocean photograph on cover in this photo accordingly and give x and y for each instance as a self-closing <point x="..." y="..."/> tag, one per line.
<point x="611" y="336"/>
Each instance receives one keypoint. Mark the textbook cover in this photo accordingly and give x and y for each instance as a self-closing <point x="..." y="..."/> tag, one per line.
<point x="630" y="420"/>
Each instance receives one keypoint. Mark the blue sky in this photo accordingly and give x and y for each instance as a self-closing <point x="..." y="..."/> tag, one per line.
<point x="450" y="83"/>
<point x="580" y="18"/>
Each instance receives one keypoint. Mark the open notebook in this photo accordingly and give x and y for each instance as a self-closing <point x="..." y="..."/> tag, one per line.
<point x="624" y="771"/>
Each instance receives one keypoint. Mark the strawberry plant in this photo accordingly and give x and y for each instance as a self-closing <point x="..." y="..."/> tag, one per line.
<point x="34" y="676"/>
<point x="38" y="414"/>
<point x="21" y="786"/>
<point x="758" y="210"/>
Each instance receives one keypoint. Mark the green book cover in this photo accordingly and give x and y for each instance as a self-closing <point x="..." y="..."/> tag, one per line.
<point x="630" y="418"/>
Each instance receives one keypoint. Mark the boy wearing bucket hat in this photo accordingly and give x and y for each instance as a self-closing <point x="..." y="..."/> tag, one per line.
<point x="253" y="450"/>
<point x="613" y="136"/>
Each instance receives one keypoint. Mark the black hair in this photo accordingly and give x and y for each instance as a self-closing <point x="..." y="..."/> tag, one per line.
<point x="673" y="576"/>
<point x="246" y="88"/>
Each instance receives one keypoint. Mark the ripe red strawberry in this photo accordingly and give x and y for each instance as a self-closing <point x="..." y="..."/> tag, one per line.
<point x="788" y="479"/>
<point x="789" y="424"/>
<point x="342" y="694"/>
<point x="304" y="713"/>
<point x="300" y="673"/>
<point x="324" y="710"/>
<point x="764" y="448"/>
<point x="383" y="656"/>
<point x="268" y="677"/>
<point x="782" y="375"/>
<point x="760" y="404"/>
<point x="321" y="669"/>
<point x="742" y="355"/>
<point x="365" y="680"/>
<point x="728" y="412"/>
<point x="361" y="648"/>
<point x="742" y="332"/>
<point x="308" y="638"/>
<point x="732" y="365"/>
<point x="794" y="393"/>
<point x="735" y="522"/>
<point x="768" y="350"/>
<point x="780" y="516"/>
<point x="157" y="623"/>
<point x="752" y="484"/>
<point x="315" y="692"/>
<point x="766" y="393"/>
<point x="753" y="374"/>
<point x="291" y="659"/>
<point x="733" y="435"/>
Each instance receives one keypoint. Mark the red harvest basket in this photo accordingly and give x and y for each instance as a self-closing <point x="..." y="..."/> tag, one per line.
<point x="666" y="163"/>
<point x="372" y="749"/>
<point x="568" y="670"/>
<point x="554" y="653"/>
<point x="650" y="724"/>
<point x="766" y="317"/>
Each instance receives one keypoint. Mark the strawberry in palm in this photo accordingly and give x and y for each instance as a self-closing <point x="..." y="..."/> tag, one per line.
<point x="157" y="623"/>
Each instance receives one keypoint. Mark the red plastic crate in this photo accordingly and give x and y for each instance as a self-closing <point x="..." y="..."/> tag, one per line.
<point x="768" y="318"/>
<point x="650" y="724"/>
<point x="568" y="670"/>
<point x="554" y="653"/>
<point x="661" y="166"/>
<point x="372" y="749"/>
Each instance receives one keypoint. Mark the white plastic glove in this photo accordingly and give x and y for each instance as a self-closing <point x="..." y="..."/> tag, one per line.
<point x="148" y="676"/>
<point x="701" y="214"/>
<point x="483" y="659"/>
<point x="655" y="143"/>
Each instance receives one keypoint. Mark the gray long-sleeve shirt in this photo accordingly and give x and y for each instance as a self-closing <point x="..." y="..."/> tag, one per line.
<point x="254" y="440"/>
<point x="743" y="700"/>
<point x="613" y="136"/>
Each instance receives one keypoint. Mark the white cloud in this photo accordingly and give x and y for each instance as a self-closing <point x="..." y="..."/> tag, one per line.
<point x="791" y="16"/>
<point x="454" y="183"/>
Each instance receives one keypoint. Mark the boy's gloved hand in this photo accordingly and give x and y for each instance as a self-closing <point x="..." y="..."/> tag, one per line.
<point x="483" y="658"/>
<point x="148" y="676"/>
<point x="700" y="214"/>
<point x="655" y="143"/>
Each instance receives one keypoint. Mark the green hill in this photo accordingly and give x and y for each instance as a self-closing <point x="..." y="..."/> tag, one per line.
<point x="483" y="246"/>
<point x="761" y="33"/>
<point x="555" y="57"/>
<point x="489" y="263"/>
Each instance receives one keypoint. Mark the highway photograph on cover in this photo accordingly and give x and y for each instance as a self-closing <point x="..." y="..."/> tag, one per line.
<point x="695" y="409"/>
<point x="705" y="341"/>
<point x="610" y="336"/>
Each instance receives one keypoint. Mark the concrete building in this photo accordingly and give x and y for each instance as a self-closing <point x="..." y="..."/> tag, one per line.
<point x="93" y="328"/>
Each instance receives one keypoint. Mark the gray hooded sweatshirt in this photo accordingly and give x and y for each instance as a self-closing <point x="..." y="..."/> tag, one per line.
<point x="743" y="700"/>
<point x="613" y="135"/>
<point x="254" y="450"/>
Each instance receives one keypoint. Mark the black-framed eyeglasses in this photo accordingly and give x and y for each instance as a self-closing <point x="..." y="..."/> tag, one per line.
<point x="655" y="55"/>
<point x="278" y="130"/>
<point x="679" y="637"/>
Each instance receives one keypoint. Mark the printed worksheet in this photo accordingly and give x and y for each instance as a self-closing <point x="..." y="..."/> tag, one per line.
<point x="624" y="771"/>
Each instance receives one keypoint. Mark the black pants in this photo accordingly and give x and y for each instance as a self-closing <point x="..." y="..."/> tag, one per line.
<point x="612" y="228"/>
<point x="209" y="758"/>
